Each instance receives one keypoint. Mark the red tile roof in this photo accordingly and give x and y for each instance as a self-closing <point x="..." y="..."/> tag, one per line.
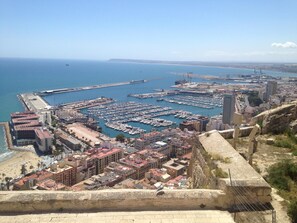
<point x="42" y="133"/>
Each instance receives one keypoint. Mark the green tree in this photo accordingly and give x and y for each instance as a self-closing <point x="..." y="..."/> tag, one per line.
<point x="120" y="138"/>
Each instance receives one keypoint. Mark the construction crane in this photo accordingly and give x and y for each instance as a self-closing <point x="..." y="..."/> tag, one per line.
<point x="189" y="76"/>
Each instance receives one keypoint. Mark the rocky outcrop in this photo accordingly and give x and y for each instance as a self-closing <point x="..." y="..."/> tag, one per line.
<point x="277" y="120"/>
<point x="293" y="126"/>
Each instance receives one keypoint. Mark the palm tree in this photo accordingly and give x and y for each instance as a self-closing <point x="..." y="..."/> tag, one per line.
<point x="2" y="186"/>
<point x="23" y="169"/>
<point x="8" y="179"/>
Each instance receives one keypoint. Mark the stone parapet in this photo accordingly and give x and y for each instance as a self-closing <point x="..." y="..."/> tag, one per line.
<point x="111" y="200"/>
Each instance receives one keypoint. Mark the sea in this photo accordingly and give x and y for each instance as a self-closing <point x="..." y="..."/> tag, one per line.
<point x="31" y="75"/>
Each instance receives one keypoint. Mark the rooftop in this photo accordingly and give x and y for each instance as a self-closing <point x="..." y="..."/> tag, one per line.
<point x="50" y="184"/>
<point x="39" y="176"/>
<point x="100" y="153"/>
<point x="119" y="169"/>
<point x="134" y="160"/>
<point x="43" y="133"/>
<point x="151" y="153"/>
<point x="173" y="165"/>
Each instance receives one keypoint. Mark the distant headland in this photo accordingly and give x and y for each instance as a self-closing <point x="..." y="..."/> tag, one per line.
<point x="282" y="67"/>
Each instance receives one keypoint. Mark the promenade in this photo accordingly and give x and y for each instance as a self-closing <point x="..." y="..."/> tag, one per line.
<point x="7" y="134"/>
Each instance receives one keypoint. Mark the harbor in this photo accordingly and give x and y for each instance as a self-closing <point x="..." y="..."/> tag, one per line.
<point x="121" y="116"/>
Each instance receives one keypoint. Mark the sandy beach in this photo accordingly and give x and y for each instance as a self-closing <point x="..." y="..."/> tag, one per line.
<point x="12" y="166"/>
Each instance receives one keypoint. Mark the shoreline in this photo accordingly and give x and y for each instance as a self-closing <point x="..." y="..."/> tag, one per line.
<point x="11" y="165"/>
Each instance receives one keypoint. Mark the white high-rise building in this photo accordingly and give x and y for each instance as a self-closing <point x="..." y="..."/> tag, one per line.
<point x="271" y="88"/>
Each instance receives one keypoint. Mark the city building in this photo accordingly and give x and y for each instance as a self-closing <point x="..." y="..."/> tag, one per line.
<point x="174" y="168"/>
<point x="160" y="147"/>
<point x="228" y="108"/>
<point x="44" y="140"/>
<point x="50" y="184"/>
<point x="203" y="122"/>
<point x="102" y="180"/>
<point x="180" y="182"/>
<point x="69" y="116"/>
<point x="104" y="156"/>
<point x="121" y="170"/>
<point x="23" y="125"/>
<point x="159" y="175"/>
<point x="85" y="166"/>
<point x="190" y="125"/>
<point x="140" y="165"/>
<point x="29" y="182"/>
<point x="146" y="139"/>
<point x="69" y="141"/>
<point x="63" y="173"/>
<point x="215" y="123"/>
<point x="148" y="154"/>
<point x="271" y="88"/>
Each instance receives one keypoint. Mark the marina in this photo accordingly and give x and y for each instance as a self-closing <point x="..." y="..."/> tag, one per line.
<point x="121" y="116"/>
<point x="117" y="115"/>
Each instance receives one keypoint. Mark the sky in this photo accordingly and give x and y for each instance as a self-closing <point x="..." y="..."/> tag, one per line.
<point x="188" y="30"/>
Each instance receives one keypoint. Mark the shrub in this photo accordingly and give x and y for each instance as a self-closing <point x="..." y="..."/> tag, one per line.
<point x="279" y="174"/>
<point x="292" y="211"/>
<point x="220" y="173"/>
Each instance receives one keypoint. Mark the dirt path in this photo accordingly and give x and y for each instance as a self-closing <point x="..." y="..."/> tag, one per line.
<point x="266" y="156"/>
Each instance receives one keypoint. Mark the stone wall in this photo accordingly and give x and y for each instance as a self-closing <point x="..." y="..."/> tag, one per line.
<point x="111" y="200"/>
<point x="244" y="132"/>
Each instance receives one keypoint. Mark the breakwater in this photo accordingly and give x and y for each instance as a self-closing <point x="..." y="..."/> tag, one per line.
<point x="67" y="90"/>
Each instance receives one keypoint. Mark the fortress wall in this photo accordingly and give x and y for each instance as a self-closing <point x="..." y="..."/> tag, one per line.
<point x="111" y="200"/>
<point x="228" y="134"/>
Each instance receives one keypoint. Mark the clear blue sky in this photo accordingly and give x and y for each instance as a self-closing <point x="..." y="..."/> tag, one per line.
<point x="200" y="30"/>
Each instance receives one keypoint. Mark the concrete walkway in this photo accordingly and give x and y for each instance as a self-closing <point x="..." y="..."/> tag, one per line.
<point x="125" y="217"/>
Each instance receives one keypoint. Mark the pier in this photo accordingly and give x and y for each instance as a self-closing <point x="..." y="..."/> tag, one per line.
<point x="33" y="102"/>
<point x="7" y="134"/>
<point x="86" y="103"/>
<point x="67" y="90"/>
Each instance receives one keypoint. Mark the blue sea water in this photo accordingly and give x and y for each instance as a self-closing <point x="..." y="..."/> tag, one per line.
<point x="27" y="75"/>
